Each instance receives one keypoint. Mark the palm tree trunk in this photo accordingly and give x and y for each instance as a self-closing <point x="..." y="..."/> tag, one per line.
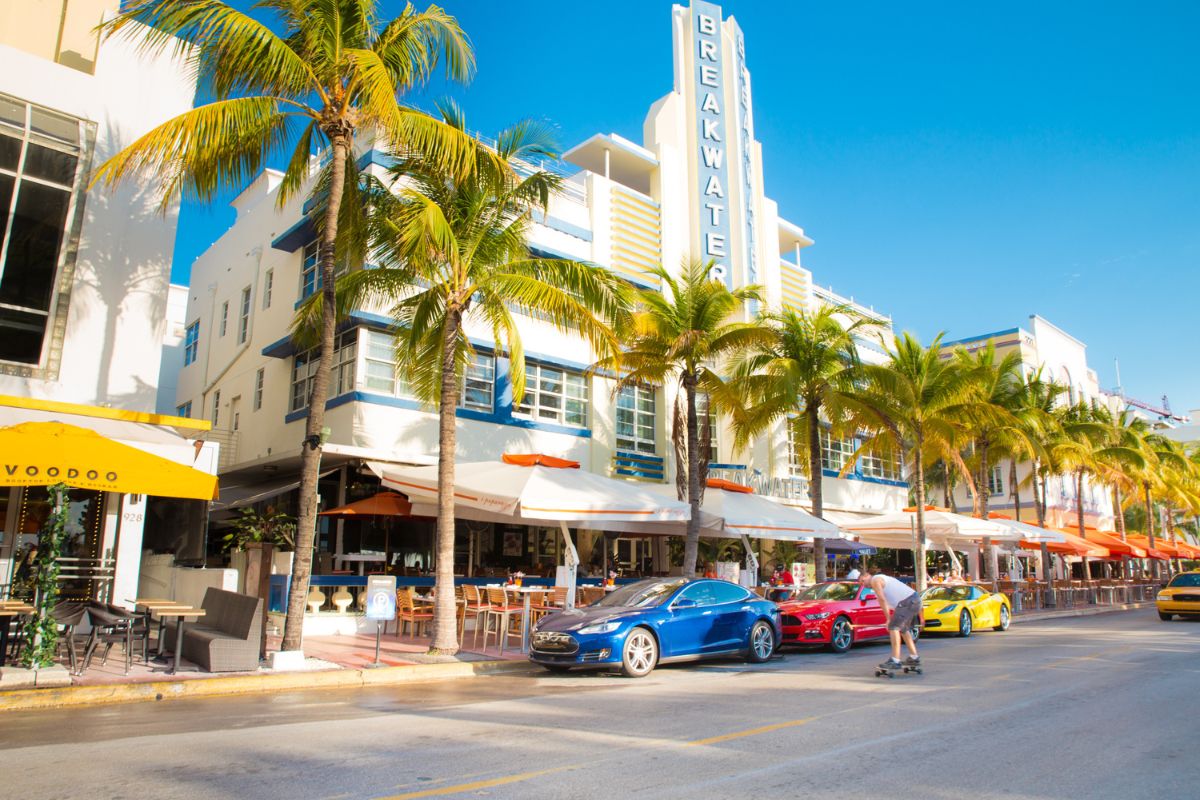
<point x="815" y="486"/>
<point x="948" y="498"/>
<point x="310" y="451"/>
<point x="1039" y="507"/>
<point x="1150" y="525"/>
<point x="1016" y="489"/>
<point x="445" y="611"/>
<point x="1120" y="515"/>
<point x="692" y="542"/>
<point x="1087" y="567"/>
<point x="919" y="551"/>
<point x="984" y="495"/>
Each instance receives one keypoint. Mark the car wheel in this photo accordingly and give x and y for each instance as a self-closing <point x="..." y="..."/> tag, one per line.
<point x="1165" y="617"/>
<point x="916" y="631"/>
<point x="965" y="623"/>
<point x="640" y="653"/>
<point x="557" y="669"/>
<point x="841" y="635"/>
<point x="762" y="642"/>
<point x="1005" y="619"/>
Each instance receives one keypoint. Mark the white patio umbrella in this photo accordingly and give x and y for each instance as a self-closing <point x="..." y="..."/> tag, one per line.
<point x="730" y="509"/>
<point x="943" y="529"/>
<point x="536" y="489"/>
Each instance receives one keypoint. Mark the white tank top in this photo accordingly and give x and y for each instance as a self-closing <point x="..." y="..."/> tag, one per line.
<point x="895" y="591"/>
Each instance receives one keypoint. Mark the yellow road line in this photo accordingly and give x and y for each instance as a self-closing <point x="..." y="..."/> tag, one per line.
<point x="474" y="785"/>
<point x="752" y="732"/>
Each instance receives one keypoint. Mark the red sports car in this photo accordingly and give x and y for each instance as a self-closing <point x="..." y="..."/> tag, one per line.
<point x="836" y="614"/>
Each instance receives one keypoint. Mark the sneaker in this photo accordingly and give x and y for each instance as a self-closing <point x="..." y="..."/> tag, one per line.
<point x="891" y="663"/>
<point x="913" y="661"/>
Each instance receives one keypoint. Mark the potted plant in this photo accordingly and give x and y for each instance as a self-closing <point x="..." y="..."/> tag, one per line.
<point x="252" y="528"/>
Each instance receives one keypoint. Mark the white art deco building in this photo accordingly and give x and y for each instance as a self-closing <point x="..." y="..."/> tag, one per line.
<point x="692" y="188"/>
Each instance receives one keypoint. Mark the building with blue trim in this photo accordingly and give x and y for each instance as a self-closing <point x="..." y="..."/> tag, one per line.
<point x="693" y="189"/>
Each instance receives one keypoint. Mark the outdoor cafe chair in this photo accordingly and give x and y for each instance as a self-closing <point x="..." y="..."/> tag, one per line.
<point x="407" y="614"/>
<point x="67" y="615"/>
<point x="108" y="628"/>
<point x="499" y="617"/>
<point x="478" y="605"/>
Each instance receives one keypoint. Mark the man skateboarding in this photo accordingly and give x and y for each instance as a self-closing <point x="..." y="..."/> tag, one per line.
<point x="902" y="608"/>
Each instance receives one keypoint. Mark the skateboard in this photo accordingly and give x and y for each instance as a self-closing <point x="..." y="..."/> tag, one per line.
<point x="891" y="673"/>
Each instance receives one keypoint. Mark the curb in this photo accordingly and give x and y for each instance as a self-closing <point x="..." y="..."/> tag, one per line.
<point x="72" y="696"/>
<point x="1042" y="616"/>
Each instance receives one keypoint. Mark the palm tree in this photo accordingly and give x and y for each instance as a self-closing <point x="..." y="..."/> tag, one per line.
<point x="335" y="70"/>
<point x="1164" y="461"/>
<point x="681" y="334"/>
<point x="802" y="372"/>
<point x="992" y="420"/>
<point x="453" y="249"/>
<point x="916" y="403"/>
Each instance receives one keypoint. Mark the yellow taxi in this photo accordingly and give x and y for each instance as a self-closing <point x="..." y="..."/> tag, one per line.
<point x="1181" y="596"/>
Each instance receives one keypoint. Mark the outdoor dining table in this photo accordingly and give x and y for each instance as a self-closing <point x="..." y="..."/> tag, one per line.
<point x="181" y="613"/>
<point x="527" y="593"/>
<point x="8" y="610"/>
<point x="150" y="604"/>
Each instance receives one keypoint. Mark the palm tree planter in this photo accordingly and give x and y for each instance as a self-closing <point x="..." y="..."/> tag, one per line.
<point x="334" y="71"/>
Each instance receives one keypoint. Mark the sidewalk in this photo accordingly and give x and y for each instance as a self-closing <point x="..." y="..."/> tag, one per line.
<point x="330" y="662"/>
<point x="1079" y="611"/>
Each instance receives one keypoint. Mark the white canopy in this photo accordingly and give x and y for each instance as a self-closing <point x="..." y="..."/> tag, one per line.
<point x="730" y="512"/>
<point x="537" y="494"/>
<point x="897" y="529"/>
<point x="535" y="490"/>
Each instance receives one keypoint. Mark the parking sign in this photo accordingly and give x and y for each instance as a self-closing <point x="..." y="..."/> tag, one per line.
<point x="381" y="597"/>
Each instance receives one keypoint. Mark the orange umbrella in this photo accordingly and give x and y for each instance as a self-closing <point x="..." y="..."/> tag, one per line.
<point x="1115" y="546"/>
<point x="1073" y="546"/>
<point x="1165" y="549"/>
<point x="384" y="504"/>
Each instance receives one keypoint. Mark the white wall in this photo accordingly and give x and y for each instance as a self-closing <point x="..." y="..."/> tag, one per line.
<point x="115" y="323"/>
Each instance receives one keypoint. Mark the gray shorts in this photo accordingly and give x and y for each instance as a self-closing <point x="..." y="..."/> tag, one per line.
<point x="905" y="613"/>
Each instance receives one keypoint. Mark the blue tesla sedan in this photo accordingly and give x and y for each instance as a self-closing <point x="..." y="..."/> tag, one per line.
<point x="658" y="621"/>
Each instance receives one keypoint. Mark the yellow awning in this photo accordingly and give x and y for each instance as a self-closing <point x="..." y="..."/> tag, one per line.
<point x="45" y="453"/>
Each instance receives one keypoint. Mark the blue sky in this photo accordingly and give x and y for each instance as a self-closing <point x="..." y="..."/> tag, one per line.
<point x="961" y="166"/>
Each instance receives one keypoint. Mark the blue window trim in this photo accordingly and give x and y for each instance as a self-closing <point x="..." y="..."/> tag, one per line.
<point x="982" y="337"/>
<point x="495" y="417"/>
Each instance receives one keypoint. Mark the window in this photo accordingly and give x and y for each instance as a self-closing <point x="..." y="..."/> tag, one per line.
<point x="703" y="410"/>
<point x="184" y="410"/>
<point x="635" y="419"/>
<point x="381" y="365"/>
<point x="996" y="481"/>
<point x="191" y="342"/>
<point x="304" y="370"/>
<point x="479" y="383"/>
<point x="310" y="274"/>
<point x="40" y="174"/>
<point x="224" y="317"/>
<point x="216" y="409"/>
<point x="835" y="452"/>
<point x="259" y="380"/>
<point x="235" y="413"/>
<point x="268" y="287"/>
<point x="888" y="466"/>
<point x="797" y="450"/>
<point x="554" y="395"/>
<point x="244" y="317"/>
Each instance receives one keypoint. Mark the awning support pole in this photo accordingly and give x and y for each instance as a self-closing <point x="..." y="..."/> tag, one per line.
<point x="751" y="559"/>
<point x="572" y="559"/>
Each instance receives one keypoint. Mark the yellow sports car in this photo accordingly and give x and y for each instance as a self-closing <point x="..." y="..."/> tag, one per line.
<point x="962" y="608"/>
<point x="1181" y="596"/>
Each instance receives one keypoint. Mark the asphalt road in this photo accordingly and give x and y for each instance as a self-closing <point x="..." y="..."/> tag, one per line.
<point x="1095" y="707"/>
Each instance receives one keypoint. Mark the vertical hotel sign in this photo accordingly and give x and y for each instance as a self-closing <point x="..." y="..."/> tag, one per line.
<point x="746" y="140"/>
<point x="713" y="174"/>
